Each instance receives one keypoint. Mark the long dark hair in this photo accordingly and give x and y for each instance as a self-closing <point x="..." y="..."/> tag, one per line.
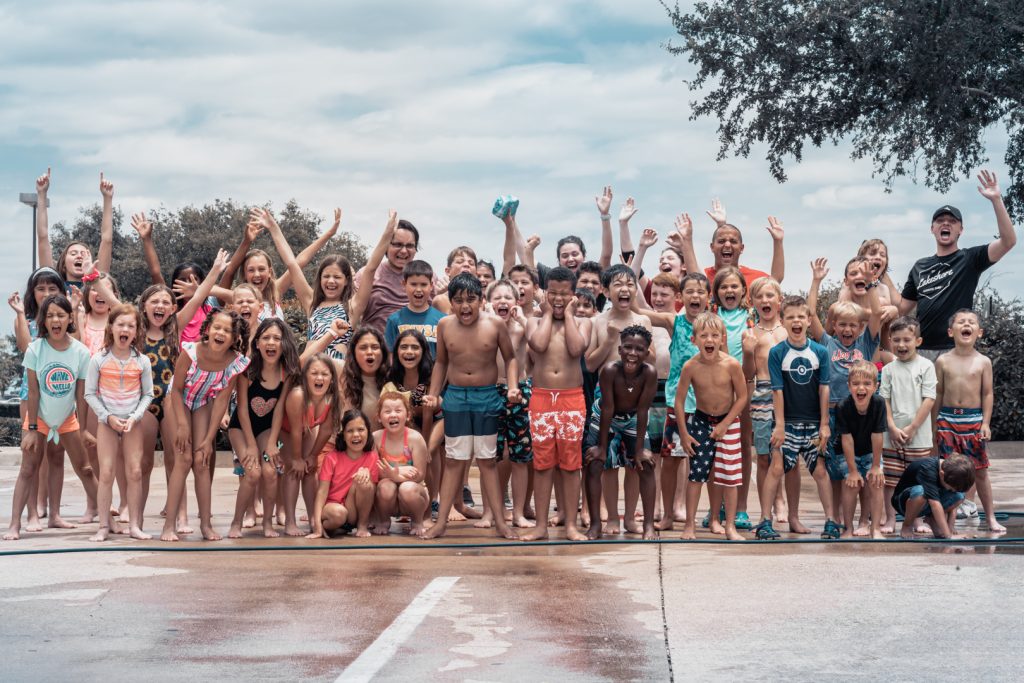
<point x="396" y="374"/>
<point x="181" y="268"/>
<point x="353" y="374"/>
<point x="346" y="270"/>
<point x="351" y="415"/>
<point x="291" y="371"/>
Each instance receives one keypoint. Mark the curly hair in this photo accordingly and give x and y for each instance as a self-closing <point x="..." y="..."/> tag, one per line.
<point x="239" y="329"/>
<point x="352" y="375"/>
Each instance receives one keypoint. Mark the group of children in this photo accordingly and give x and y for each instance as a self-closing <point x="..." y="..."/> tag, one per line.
<point x="549" y="378"/>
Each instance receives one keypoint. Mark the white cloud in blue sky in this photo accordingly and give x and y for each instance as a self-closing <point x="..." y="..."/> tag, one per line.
<point x="431" y="108"/>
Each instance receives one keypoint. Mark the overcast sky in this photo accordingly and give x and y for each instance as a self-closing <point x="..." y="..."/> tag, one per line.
<point x="431" y="108"/>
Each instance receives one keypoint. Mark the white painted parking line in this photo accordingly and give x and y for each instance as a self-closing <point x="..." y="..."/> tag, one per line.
<point x="373" y="658"/>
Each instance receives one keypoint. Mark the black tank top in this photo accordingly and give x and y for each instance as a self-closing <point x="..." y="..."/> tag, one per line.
<point x="261" y="407"/>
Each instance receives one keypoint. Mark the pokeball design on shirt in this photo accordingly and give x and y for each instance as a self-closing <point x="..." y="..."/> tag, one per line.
<point x="57" y="380"/>
<point x="800" y="365"/>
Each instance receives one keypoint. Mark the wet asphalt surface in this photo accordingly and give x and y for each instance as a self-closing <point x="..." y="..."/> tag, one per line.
<point x="583" y="612"/>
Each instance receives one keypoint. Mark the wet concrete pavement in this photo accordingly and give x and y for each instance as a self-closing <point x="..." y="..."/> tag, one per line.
<point x="570" y="613"/>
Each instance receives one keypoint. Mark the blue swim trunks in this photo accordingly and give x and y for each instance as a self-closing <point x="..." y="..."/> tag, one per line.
<point x="471" y="421"/>
<point x="622" y="438"/>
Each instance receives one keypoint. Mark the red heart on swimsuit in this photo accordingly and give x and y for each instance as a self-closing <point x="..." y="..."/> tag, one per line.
<point x="261" y="407"/>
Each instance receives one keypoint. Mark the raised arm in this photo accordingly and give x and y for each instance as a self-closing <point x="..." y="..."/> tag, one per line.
<point x="105" y="255"/>
<point x="819" y="271"/>
<point x="252" y="229"/>
<point x="778" y="255"/>
<point x="22" y="338"/>
<point x="530" y="252"/>
<point x="648" y="238"/>
<point x="303" y="292"/>
<point x="604" y="206"/>
<point x="514" y="247"/>
<point x="184" y="316"/>
<point x="684" y="228"/>
<point x="316" y="346"/>
<point x="307" y="254"/>
<point x="362" y="295"/>
<point x="43" y="221"/>
<point x="989" y="189"/>
<point x="144" y="229"/>
<point x="627" y="211"/>
<point x="874" y="304"/>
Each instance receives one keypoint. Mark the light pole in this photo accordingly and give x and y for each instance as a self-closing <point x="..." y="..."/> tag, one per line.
<point x="32" y="199"/>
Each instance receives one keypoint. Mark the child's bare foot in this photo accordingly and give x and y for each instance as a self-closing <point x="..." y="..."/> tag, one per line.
<point x="456" y="516"/>
<point x="557" y="520"/>
<point x="281" y="518"/>
<point x="415" y="529"/>
<point x="665" y="524"/>
<point x="41" y="512"/>
<point x="574" y="534"/>
<point x="248" y="521"/>
<point x="507" y="533"/>
<point x="258" y="508"/>
<point x="538" y="534"/>
<point x="650" y="533"/>
<point x="87" y="518"/>
<point x="235" y="531"/>
<point x="466" y="512"/>
<point x="524" y="523"/>
<point x="781" y="512"/>
<point x="888" y="528"/>
<point x="101" y="534"/>
<point x="907" y="532"/>
<point x="594" y="532"/>
<point x="268" y="531"/>
<point x="689" y="533"/>
<point x="208" y="533"/>
<point x="119" y="529"/>
<point x="486" y="522"/>
<point x="847" y="533"/>
<point x="995" y="527"/>
<point x="863" y="530"/>
<point x="138" y="534"/>
<point x="732" y="534"/>
<point x="168" y="535"/>
<point x="679" y="516"/>
<point x="293" y="530"/>
<point x="716" y="527"/>
<point x="12" y="534"/>
<point x="507" y="515"/>
<point x="584" y="518"/>
<point x="922" y="528"/>
<point x="34" y="525"/>
<point x="57" y="522"/>
<point x="184" y="529"/>
<point x="163" y="512"/>
<point x="381" y="528"/>
<point x="878" y="535"/>
<point x="362" y="532"/>
<point x="630" y="526"/>
<point x="797" y="527"/>
<point x="123" y="516"/>
<point x="611" y="527"/>
<point x="434" y="531"/>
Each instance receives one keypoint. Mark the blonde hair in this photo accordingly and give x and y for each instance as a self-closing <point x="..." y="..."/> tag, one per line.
<point x="760" y="283"/>
<point x="848" y="309"/>
<point x="708" y="320"/>
<point x="269" y="292"/>
<point x="252" y="288"/>
<point x="862" y="368"/>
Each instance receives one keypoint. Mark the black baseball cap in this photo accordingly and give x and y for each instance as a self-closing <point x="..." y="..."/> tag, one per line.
<point x="951" y="210"/>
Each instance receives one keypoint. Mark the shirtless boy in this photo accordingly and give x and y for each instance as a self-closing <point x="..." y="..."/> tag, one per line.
<point x="467" y="347"/>
<point x="621" y="284"/>
<point x="557" y="341"/>
<point x="711" y="435"/>
<point x="460" y="260"/>
<point x="963" y="404"/>
<point x="627" y="389"/>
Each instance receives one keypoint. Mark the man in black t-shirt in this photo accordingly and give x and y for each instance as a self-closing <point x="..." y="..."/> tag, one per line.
<point x="942" y="284"/>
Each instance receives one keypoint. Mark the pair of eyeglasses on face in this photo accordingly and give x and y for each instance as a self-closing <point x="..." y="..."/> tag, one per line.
<point x="403" y="246"/>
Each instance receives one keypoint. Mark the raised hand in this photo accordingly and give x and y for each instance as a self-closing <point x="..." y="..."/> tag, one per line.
<point x="604" y="201"/>
<point x="142" y="226"/>
<point x="14" y="301"/>
<point x="819" y="269"/>
<point x="221" y="262"/>
<point x="339" y="326"/>
<point x="392" y="223"/>
<point x="263" y="217"/>
<point x="649" y="237"/>
<point x="749" y="340"/>
<point x="717" y="212"/>
<point x="106" y="187"/>
<point x="43" y="182"/>
<point x="333" y="230"/>
<point x="252" y="230"/>
<point x="775" y="229"/>
<point x="989" y="188"/>
<point x="185" y="288"/>
<point x="532" y="242"/>
<point x="684" y="226"/>
<point x="628" y="210"/>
